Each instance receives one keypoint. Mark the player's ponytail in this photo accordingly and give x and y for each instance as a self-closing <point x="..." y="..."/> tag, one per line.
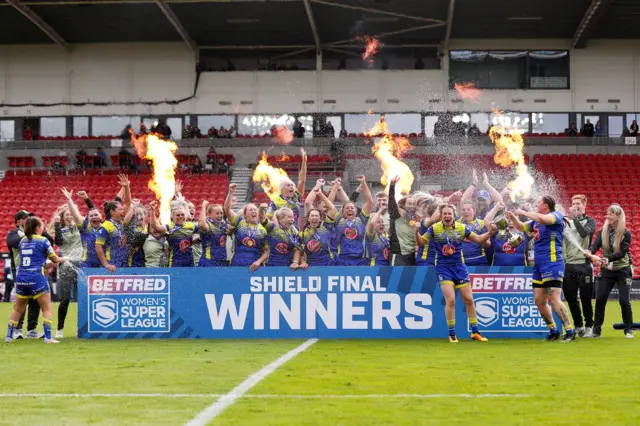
<point x="31" y="227"/>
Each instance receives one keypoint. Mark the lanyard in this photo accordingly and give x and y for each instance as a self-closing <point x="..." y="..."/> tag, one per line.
<point x="252" y="232"/>
<point x="384" y="239"/>
<point x="293" y="238"/>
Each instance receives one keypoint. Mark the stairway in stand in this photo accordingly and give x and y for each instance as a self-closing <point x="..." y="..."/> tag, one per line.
<point x="242" y="178"/>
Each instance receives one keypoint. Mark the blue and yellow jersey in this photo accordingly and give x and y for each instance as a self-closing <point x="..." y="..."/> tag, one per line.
<point x="214" y="243"/>
<point x="317" y="243"/>
<point x="378" y="248"/>
<point x="250" y="239"/>
<point x="505" y="254"/>
<point x="136" y="254"/>
<point x="282" y="243"/>
<point x="426" y="254"/>
<point x="279" y="201"/>
<point x="350" y="235"/>
<point x="33" y="256"/>
<point x="88" y="235"/>
<point x="547" y="239"/>
<point x="472" y="251"/>
<point x="448" y="242"/>
<point x="114" y="242"/>
<point x="179" y="239"/>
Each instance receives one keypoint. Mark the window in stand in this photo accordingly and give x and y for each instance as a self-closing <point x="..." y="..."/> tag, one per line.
<point x="80" y="126"/>
<point x="548" y="69"/>
<point x="481" y="120"/>
<point x="403" y="123"/>
<point x="430" y="124"/>
<point x="360" y="123"/>
<point x="7" y="130"/>
<point x="114" y="125"/>
<point x="255" y="125"/>
<point x="630" y="118"/>
<point x="53" y="126"/>
<point x="542" y="122"/>
<point x="488" y="69"/>
<point x="511" y="120"/>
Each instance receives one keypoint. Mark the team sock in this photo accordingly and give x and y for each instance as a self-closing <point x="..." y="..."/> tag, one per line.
<point x="12" y="326"/>
<point x="46" y="323"/>
<point x="552" y="327"/>
<point x="452" y="327"/>
<point x="473" y="322"/>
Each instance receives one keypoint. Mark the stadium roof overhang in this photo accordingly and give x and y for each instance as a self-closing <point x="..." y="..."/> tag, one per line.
<point x="311" y="25"/>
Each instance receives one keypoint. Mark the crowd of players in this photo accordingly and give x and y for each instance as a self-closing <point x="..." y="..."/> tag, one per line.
<point x="477" y="227"/>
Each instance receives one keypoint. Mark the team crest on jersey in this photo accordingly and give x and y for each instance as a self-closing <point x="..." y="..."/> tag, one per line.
<point x="313" y="245"/>
<point x="536" y="234"/>
<point x="184" y="246"/>
<point x="351" y="233"/>
<point x="508" y="248"/>
<point x="448" y="249"/>
<point x="282" y="248"/>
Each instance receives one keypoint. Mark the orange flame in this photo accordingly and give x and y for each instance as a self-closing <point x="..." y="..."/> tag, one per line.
<point x="283" y="134"/>
<point x="284" y="158"/>
<point x="370" y="112"/>
<point x="269" y="177"/>
<point x="509" y="150"/>
<point x="389" y="151"/>
<point x="163" y="182"/>
<point x="372" y="46"/>
<point x="468" y="91"/>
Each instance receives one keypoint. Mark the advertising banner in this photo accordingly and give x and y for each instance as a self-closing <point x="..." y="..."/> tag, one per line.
<point x="322" y="302"/>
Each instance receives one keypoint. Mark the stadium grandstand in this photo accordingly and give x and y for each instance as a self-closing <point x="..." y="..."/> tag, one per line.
<point x="329" y="175"/>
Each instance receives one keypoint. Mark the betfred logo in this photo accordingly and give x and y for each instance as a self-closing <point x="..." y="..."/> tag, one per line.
<point x="501" y="283"/>
<point x="128" y="284"/>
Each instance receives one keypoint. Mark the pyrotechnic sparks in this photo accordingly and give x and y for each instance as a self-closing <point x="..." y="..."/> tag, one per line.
<point x="284" y="158"/>
<point x="162" y="155"/>
<point x="509" y="150"/>
<point x="372" y="46"/>
<point x="467" y="91"/>
<point x="283" y="134"/>
<point x="389" y="150"/>
<point x="268" y="176"/>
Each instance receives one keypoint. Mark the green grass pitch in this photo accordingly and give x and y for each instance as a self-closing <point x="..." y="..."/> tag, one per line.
<point x="337" y="382"/>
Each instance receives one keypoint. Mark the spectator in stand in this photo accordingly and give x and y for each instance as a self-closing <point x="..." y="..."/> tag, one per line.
<point x="343" y="133"/>
<point x="598" y="128"/>
<point x="213" y="132"/>
<point x="298" y="129"/>
<point x="223" y="166"/>
<point x="571" y="131"/>
<point x="633" y="129"/>
<point x="232" y="132"/>
<point x="162" y="128"/>
<point x="588" y="130"/>
<point x="211" y="156"/>
<point x="143" y="129"/>
<point x="80" y="157"/>
<point x="126" y="133"/>
<point x="186" y="132"/>
<point x="474" y="131"/>
<point x="124" y="158"/>
<point x="331" y="132"/>
<point x="222" y="133"/>
<point x="27" y="135"/>
<point x="101" y="158"/>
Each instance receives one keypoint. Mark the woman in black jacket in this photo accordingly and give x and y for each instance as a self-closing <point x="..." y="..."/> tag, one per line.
<point x="614" y="239"/>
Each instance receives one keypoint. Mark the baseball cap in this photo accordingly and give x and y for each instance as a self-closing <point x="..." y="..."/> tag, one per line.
<point x="483" y="194"/>
<point x="23" y="214"/>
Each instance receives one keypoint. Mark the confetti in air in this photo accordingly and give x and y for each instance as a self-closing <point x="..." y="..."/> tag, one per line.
<point x="269" y="177"/>
<point x="372" y="46"/>
<point x="389" y="150"/>
<point x="162" y="155"/>
<point x="509" y="151"/>
<point x="468" y="91"/>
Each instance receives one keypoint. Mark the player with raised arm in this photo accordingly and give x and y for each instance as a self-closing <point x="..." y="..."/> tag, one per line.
<point x="448" y="236"/>
<point x="548" y="272"/>
<point x="318" y="230"/>
<point x="213" y="232"/>
<point x="290" y="195"/>
<point x="31" y="282"/>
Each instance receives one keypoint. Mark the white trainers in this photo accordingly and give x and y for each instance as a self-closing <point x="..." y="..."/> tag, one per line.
<point x="8" y="340"/>
<point x="17" y="334"/>
<point x="588" y="330"/>
<point x="628" y="334"/>
<point x="59" y="334"/>
<point x="580" y="331"/>
<point x="33" y="334"/>
<point x="52" y="340"/>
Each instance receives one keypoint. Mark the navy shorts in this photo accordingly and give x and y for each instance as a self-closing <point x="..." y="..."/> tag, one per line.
<point x="31" y="286"/>
<point x="455" y="275"/>
<point x="546" y="272"/>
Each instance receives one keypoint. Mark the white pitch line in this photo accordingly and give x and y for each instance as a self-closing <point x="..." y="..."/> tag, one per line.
<point x="264" y="396"/>
<point x="212" y="411"/>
